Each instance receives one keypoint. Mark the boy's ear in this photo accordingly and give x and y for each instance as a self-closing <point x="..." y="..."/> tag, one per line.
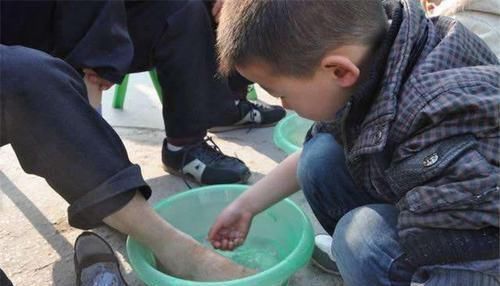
<point x="342" y="69"/>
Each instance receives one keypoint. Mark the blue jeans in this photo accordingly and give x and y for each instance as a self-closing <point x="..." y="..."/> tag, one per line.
<point x="365" y="239"/>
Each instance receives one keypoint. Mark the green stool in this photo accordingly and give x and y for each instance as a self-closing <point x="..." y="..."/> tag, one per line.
<point x="121" y="90"/>
<point x="251" y="93"/>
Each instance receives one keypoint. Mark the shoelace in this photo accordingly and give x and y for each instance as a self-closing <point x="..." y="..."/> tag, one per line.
<point x="212" y="149"/>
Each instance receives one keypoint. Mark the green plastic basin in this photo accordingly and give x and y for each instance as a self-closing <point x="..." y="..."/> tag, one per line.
<point x="289" y="134"/>
<point x="280" y="241"/>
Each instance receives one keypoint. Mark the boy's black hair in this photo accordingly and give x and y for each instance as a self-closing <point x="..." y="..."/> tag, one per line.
<point x="293" y="35"/>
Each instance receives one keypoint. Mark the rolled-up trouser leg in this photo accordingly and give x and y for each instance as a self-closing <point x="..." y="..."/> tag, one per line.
<point x="55" y="133"/>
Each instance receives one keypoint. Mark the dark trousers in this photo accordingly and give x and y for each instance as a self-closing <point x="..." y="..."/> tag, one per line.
<point x="177" y="38"/>
<point x="4" y="280"/>
<point x="55" y="133"/>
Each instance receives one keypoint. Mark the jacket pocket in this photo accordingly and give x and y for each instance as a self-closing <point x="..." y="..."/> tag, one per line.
<point x="427" y="164"/>
<point x="447" y="176"/>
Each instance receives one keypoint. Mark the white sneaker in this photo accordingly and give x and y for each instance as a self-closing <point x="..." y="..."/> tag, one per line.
<point x="322" y="256"/>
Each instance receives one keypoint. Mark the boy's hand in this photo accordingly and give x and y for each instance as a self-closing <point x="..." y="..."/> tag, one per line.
<point x="230" y="228"/>
<point x="92" y="77"/>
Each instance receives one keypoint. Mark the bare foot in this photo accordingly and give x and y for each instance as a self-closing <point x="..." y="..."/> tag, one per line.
<point x="177" y="252"/>
<point x="190" y="260"/>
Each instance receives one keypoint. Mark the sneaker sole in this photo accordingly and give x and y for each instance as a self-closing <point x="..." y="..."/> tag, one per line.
<point x="191" y="179"/>
<point x="329" y="271"/>
<point x="222" y="129"/>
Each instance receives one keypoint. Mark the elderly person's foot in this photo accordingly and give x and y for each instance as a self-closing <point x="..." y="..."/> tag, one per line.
<point x="190" y="260"/>
<point x="178" y="253"/>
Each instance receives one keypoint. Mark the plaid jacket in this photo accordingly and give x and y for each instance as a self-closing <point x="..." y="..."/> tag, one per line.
<point x="423" y="131"/>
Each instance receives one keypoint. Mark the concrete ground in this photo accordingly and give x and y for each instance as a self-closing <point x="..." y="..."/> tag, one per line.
<point x="36" y="242"/>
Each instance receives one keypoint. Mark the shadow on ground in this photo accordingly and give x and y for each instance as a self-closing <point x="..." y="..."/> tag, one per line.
<point x="46" y="229"/>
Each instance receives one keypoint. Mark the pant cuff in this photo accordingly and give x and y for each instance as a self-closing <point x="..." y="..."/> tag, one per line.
<point x="89" y="210"/>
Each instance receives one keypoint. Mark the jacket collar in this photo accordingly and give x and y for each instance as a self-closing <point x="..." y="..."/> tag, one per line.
<point x="368" y="115"/>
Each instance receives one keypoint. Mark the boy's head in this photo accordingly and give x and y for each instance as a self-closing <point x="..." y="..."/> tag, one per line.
<point x="307" y="52"/>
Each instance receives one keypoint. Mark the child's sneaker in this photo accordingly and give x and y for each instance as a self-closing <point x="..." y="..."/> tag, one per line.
<point x="254" y="115"/>
<point x="322" y="255"/>
<point x="204" y="164"/>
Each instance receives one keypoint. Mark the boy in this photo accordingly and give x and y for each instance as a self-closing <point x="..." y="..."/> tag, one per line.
<point x="402" y="171"/>
<point x="43" y="102"/>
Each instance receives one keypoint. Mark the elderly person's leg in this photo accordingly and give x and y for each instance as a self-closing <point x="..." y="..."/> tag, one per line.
<point x="175" y="38"/>
<point x="179" y="254"/>
<point x="57" y="135"/>
<point x="4" y="280"/>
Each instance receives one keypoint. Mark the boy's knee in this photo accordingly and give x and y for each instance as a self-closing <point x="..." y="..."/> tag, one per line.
<point x="351" y="232"/>
<point x="320" y="156"/>
<point x="361" y="236"/>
